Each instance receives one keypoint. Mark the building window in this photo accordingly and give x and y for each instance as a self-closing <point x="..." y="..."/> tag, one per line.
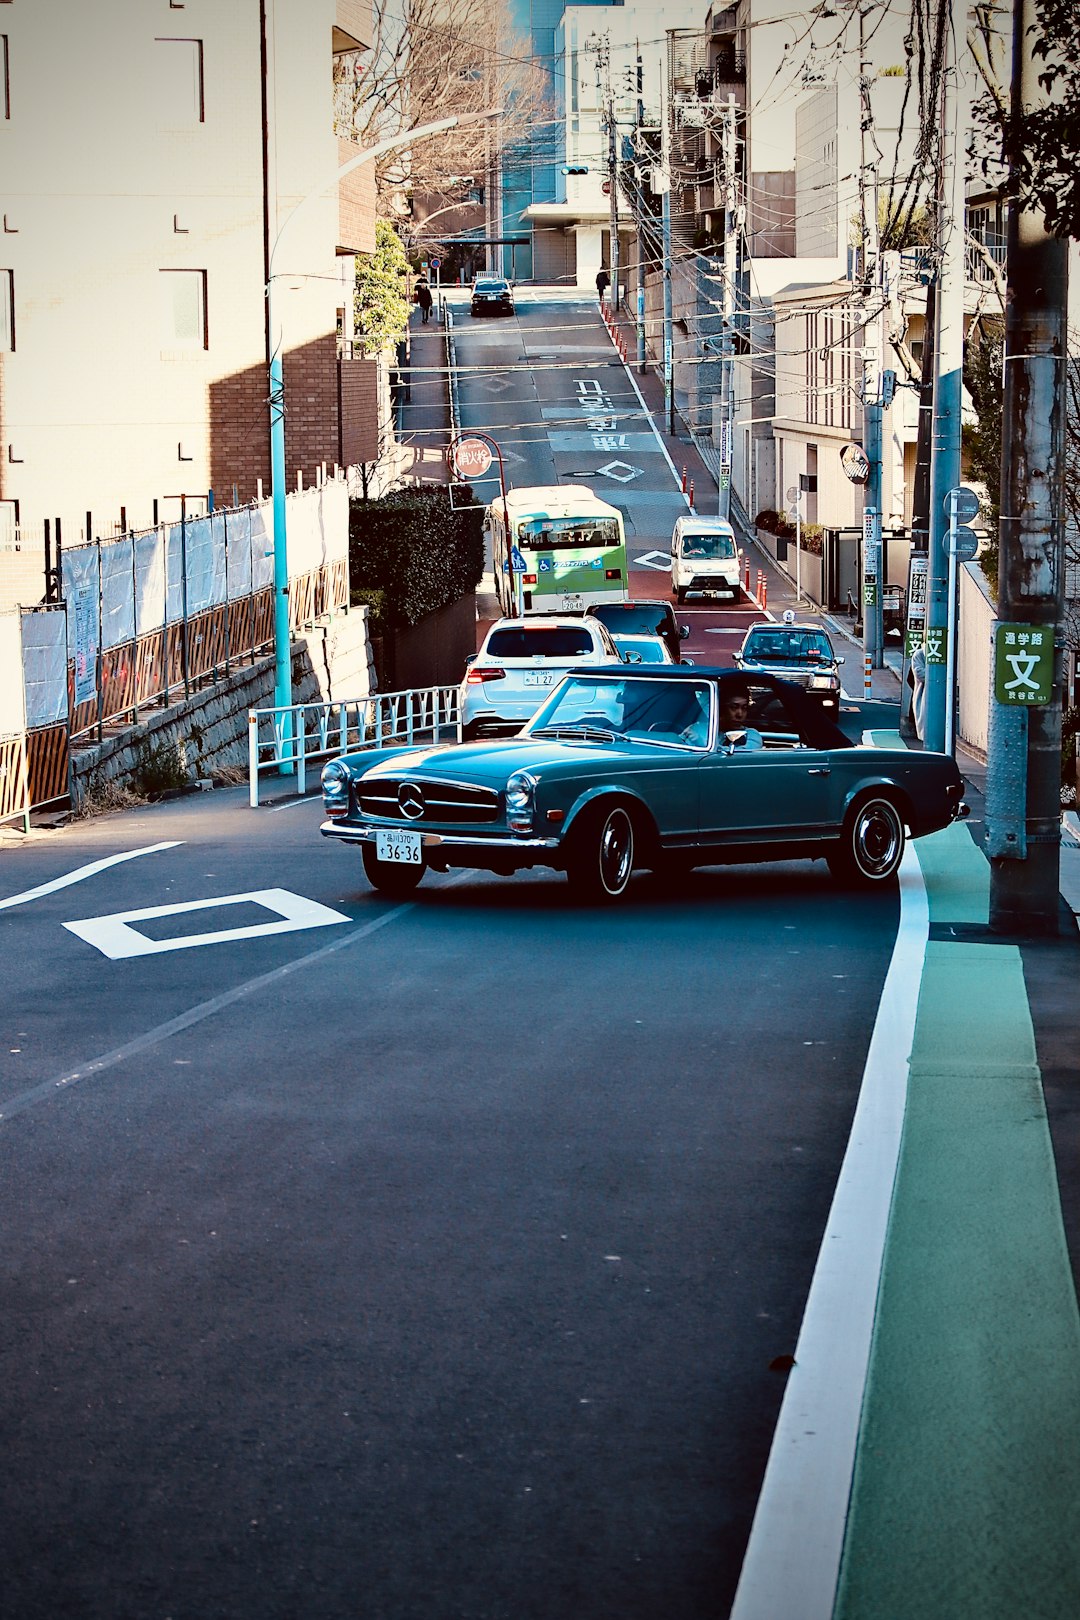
<point x="179" y="86"/>
<point x="184" y="309"/>
<point x="7" y="311"/>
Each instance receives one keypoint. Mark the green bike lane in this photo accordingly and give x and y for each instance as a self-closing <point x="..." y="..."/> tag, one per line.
<point x="951" y="1488"/>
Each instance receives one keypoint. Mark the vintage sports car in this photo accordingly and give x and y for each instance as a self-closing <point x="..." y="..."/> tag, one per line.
<point x="625" y="767"/>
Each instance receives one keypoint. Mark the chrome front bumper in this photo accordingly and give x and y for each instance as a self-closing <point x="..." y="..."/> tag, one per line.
<point x="350" y="833"/>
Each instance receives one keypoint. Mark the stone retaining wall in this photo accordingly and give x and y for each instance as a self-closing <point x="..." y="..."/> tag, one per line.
<point x="209" y="730"/>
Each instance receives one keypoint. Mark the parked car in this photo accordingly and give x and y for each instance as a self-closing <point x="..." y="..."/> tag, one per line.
<point x="799" y="651"/>
<point x="491" y="295"/>
<point x="704" y="557"/>
<point x="644" y="616"/>
<point x="644" y="650"/>
<point x="627" y="767"/>
<point x="519" y="662"/>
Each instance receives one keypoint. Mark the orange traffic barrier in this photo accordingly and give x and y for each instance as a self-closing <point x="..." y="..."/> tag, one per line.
<point x="691" y="497"/>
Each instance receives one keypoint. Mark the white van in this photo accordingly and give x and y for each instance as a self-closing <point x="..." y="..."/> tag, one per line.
<point x="704" y="556"/>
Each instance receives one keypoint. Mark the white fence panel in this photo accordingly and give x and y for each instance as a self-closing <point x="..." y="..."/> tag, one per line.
<point x="44" y="662"/>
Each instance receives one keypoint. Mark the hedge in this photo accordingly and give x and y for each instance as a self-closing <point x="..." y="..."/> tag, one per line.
<point x="411" y="554"/>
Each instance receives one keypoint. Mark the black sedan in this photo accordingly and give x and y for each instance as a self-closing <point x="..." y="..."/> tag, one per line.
<point x="799" y="652"/>
<point x="626" y="767"/>
<point x="492" y="296"/>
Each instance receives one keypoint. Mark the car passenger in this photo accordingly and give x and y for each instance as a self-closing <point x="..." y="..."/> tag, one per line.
<point x="734" y="715"/>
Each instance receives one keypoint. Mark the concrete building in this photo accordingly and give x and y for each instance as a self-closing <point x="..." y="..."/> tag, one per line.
<point x="152" y="154"/>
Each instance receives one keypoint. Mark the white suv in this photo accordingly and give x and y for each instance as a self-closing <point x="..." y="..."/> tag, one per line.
<point x="519" y="662"/>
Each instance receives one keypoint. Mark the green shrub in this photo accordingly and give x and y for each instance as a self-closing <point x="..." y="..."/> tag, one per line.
<point x="1070" y="729"/>
<point x="415" y="552"/>
<point x="159" y="767"/>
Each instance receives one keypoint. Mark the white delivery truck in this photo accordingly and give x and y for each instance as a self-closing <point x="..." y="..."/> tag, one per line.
<point x="704" y="556"/>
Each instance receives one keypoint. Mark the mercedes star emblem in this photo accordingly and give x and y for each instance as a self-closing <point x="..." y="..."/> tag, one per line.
<point x="410" y="800"/>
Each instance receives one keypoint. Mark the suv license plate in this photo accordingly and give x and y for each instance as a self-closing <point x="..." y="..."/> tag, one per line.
<point x="539" y="677"/>
<point x="403" y="848"/>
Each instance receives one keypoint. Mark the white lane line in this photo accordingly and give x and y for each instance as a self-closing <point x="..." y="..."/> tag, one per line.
<point x="82" y="872"/>
<point x="656" y="431"/>
<point x="792" y="1560"/>
<point x="194" y="1015"/>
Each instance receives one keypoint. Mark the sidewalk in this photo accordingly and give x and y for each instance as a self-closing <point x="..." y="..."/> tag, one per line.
<point x="961" y="1497"/>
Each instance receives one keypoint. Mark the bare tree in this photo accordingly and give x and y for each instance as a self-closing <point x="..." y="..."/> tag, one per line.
<point x="432" y="59"/>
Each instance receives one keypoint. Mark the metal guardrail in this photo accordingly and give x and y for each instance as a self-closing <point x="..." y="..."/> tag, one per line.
<point x="284" y="741"/>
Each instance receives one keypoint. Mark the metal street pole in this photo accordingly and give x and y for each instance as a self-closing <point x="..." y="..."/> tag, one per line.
<point x="665" y="268"/>
<point x="870" y="273"/>
<point x="948" y="367"/>
<point x="282" y="658"/>
<point x="1023" y="802"/>
<point x="727" y="363"/>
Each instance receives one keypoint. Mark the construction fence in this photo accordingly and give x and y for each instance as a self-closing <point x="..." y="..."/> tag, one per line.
<point x="149" y="617"/>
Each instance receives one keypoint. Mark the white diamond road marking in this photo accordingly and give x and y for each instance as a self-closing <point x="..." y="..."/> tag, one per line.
<point x="114" y="937"/>
<point x="621" y="471"/>
<point x="653" y="559"/>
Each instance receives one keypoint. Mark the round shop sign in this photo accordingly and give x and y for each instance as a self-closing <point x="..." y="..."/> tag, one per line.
<point x="855" y="462"/>
<point x="472" y="458"/>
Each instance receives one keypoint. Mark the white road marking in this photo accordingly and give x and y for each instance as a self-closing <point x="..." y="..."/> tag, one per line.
<point x="114" y="937"/>
<point x="194" y="1015"/>
<point x="646" y="560"/>
<point x="82" y="872"/>
<point x="792" y="1560"/>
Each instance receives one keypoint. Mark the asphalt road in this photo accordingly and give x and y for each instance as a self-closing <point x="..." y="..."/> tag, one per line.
<point x="440" y="1261"/>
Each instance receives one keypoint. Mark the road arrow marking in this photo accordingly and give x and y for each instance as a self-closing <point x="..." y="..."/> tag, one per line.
<point x="646" y="560"/>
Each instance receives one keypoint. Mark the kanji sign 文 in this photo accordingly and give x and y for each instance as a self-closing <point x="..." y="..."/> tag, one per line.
<point x="1024" y="663"/>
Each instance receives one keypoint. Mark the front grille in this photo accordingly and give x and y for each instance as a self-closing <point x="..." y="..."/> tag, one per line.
<point x="438" y="801"/>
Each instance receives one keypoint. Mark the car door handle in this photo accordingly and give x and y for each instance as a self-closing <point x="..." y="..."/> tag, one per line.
<point x="819" y="770"/>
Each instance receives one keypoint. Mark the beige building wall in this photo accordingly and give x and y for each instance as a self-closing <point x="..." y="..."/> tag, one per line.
<point x="133" y="237"/>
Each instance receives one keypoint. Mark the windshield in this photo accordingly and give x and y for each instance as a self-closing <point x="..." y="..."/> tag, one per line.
<point x="539" y="641"/>
<point x="789" y="646"/>
<point x="554" y="534"/>
<point x="708" y="545"/>
<point x="671" y="712"/>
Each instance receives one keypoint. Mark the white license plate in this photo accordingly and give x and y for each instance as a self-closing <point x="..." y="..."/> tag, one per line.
<point x="403" y="848"/>
<point x="574" y="604"/>
<point x="539" y="677"/>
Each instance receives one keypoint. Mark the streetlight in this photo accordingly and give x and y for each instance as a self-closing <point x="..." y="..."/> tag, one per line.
<point x="282" y="664"/>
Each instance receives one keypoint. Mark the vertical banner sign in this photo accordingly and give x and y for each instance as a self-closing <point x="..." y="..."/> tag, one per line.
<point x="916" y="603"/>
<point x="1024" y="663"/>
<point x="86" y="644"/>
<point x="870" y="558"/>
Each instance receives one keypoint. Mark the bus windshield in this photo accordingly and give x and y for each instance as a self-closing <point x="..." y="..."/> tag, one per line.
<point x="558" y="534"/>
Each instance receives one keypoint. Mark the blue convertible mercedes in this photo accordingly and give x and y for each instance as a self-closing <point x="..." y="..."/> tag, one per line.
<point x="629" y="767"/>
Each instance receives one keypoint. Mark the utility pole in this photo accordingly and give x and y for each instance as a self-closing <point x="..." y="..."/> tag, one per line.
<point x="665" y="228"/>
<point x="914" y="634"/>
<point x="1023" y="804"/>
<point x="872" y="307"/>
<point x="948" y="368"/>
<point x="727" y="363"/>
<point x="613" y="178"/>
<point x="642" y="360"/>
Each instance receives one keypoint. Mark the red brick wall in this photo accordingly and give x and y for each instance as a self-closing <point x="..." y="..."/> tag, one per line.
<point x="356" y="204"/>
<point x="359" y="411"/>
<point x="240" y="421"/>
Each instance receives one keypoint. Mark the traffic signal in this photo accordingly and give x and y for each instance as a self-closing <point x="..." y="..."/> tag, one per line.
<point x="575" y="168"/>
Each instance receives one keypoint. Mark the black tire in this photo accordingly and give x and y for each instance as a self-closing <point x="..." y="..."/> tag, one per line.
<point x="390" y="877"/>
<point x="680" y="595"/>
<point x="602" y="862"/>
<point x="871" y="846"/>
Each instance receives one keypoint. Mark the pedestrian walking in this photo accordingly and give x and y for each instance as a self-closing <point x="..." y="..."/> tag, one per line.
<point x="423" y="298"/>
<point x="603" y="282"/>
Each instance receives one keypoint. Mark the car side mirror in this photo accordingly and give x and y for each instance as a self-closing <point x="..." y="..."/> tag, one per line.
<point x="839" y="660"/>
<point x="471" y="659"/>
<point x="686" y="661"/>
<point x="684" y="631"/>
<point x="733" y="739"/>
<point x="632" y="658"/>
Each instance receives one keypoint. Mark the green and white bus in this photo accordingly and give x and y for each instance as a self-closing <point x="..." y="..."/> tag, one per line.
<point x="571" y="543"/>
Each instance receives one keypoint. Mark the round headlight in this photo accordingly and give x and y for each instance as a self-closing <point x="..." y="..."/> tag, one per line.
<point x="335" y="774"/>
<point x="519" y="790"/>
